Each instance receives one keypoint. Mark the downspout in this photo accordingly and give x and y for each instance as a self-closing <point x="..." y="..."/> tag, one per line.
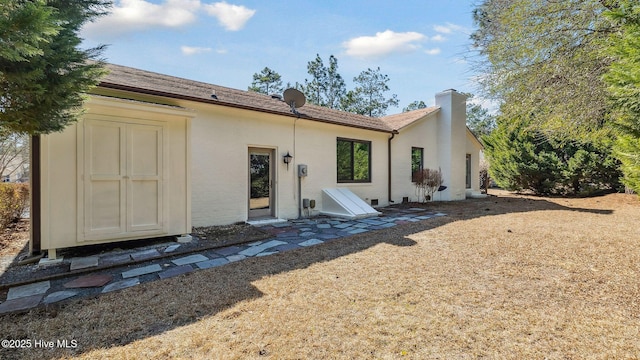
<point x="35" y="187"/>
<point x="393" y="135"/>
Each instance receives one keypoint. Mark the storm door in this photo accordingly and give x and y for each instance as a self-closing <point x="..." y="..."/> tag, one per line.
<point x="261" y="189"/>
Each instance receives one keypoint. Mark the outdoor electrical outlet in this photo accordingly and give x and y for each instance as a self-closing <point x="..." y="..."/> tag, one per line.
<point x="302" y="170"/>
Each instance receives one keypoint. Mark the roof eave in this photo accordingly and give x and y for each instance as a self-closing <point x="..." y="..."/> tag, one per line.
<point x="145" y="91"/>
<point x="435" y="111"/>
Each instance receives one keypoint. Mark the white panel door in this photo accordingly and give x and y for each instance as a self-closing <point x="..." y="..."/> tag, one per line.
<point x="104" y="179"/>
<point x="123" y="179"/>
<point x="144" y="182"/>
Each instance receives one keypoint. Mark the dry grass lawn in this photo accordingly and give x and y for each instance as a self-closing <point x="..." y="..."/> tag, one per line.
<point x="505" y="277"/>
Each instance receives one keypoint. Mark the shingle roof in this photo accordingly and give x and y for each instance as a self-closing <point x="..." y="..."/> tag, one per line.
<point x="141" y="81"/>
<point x="399" y="121"/>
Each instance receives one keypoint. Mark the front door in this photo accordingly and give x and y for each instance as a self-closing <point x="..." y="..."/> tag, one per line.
<point x="261" y="193"/>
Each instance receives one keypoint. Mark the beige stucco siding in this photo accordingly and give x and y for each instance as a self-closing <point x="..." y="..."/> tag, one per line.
<point x="59" y="189"/>
<point x="203" y="155"/>
<point x="316" y="147"/>
<point x="452" y="144"/>
<point x="421" y="134"/>
<point x="221" y="139"/>
<point x="444" y="137"/>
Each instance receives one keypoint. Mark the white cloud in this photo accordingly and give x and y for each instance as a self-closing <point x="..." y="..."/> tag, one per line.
<point x="442" y="29"/>
<point x="194" y="50"/>
<point x="449" y="28"/>
<point x="434" y="51"/>
<point x="231" y="17"/>
<point x="383" y="43"/>
<point x="438" y="38"/>
<point x="128" y="16"/>
<point x="136" y="15"/>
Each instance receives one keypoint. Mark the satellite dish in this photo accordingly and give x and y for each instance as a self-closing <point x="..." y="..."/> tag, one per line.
<point x="294" y="98"/>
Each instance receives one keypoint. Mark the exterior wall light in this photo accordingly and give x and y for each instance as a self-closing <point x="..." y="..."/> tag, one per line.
<point x="287" y="159"/>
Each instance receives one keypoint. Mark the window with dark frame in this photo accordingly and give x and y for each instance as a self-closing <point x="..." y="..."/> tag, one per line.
<point x="417" y="162"/>
<point x="468" y="172"/>
<point x="353" y="161"/>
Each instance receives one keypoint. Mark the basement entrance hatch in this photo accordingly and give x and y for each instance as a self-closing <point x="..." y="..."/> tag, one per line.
<point x="342" y="202"/>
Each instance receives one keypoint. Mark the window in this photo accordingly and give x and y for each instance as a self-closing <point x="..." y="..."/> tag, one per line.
<point x="468" y="172"/>
<point x="353" y="160"/>
<point x="417" y="161"/>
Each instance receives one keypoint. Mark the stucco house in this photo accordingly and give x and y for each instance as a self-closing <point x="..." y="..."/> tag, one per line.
<point x="155" y="155"/>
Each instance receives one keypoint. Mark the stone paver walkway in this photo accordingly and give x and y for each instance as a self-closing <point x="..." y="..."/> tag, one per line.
<point x="286" y="236"/>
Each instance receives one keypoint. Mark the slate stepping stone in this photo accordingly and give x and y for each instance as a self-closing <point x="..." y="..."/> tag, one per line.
<point x="171" y="248"/>
<point x="38" y="288"/>
<point x="141" y="271"/>
<point x="59" y="296"/>
<point x="311" y="242"/>
<point x="116" y="259"/>
<point x="191" y="259"/>
<point x="233" y="258"/>
<point x="78" y="263"/>
<point x="212" y="263"/>
<point x="89" y="281"/>
<point x="328" y="236"/>
<point x="266" y="253"/>
<point x="357" y="231"/>
<point x="50" y="262"/>
<point x="286" y="247"/>
<point x="255" y="250"/>
<point x="22" y="303"/>
<point x="145" y="254"/>
<point x="323" y="226"/>
<point x="228" y="250"/>
<point x="119" y="285"/>
<point x="178" y="270"/>
<point x="288" y="234"/>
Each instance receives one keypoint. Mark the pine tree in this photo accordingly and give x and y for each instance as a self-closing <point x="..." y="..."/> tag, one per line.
<point x="326" y="87"/>
<point x="544" y="60"/>
<point x="623" y="78"/>
<point x="523" y="158"/>
<point x="267" y="82"/>
<point x="368" y="97"/>
<point x="43" y="72"/>
<point x="415" y="105"/>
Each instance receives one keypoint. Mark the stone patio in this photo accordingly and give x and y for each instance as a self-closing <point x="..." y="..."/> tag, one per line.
<point x="140" y="266"/>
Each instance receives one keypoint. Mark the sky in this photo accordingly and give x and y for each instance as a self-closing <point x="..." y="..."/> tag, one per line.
<point x="423" y="46"/>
